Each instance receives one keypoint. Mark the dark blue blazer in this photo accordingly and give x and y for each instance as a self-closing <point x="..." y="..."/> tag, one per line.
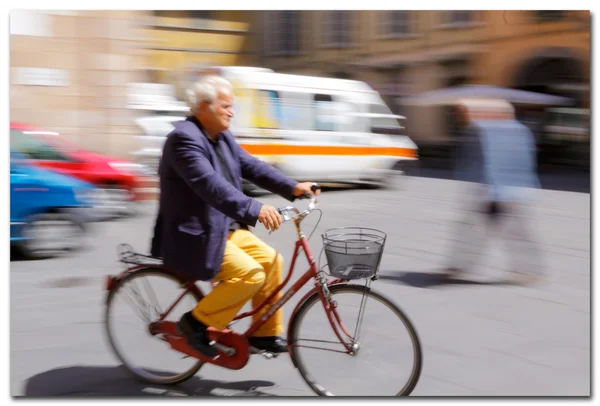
<point x="196" y="201"/>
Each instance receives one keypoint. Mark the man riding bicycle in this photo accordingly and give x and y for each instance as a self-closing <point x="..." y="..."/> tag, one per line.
<point x="201" y="229"/>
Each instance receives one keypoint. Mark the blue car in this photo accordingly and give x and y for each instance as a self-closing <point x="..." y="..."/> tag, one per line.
<point x="48" y="211"/>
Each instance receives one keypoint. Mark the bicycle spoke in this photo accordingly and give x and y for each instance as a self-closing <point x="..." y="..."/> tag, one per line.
<point x="388" y="365"/>
<point x="145" y="308"/>
<point x="320" y="341"/>
<point x="143" y="301"/>
<point x="143" y="315"/>
<point x="131" y="307"/>
<point x="361" y="312"/>
<point x="319" y="348"/>
<point x="157" y="309"/>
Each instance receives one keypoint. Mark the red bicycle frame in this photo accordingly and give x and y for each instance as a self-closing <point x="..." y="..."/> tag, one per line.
<point x="238" y="343"/>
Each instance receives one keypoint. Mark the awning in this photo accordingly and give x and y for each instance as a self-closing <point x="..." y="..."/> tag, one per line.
<point x="451" y="95"/>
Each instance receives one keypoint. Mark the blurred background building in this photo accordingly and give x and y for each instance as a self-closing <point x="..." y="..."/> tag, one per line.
<point x="401" y="53"/>
<point x="70" y="72"/>
<point x="89" y="74"/>
<point x="181" y="43"/>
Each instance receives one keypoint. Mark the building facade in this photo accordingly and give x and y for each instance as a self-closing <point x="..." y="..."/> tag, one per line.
<point x="73" y="71"/>
<point x="69" y="72"/>
<point x="402" y="53"/>
<point x="181" y="43"/>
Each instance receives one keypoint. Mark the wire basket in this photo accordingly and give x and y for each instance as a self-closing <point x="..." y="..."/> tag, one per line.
<point x="353" y="252"/>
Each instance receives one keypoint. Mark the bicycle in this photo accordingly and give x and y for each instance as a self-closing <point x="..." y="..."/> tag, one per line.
<point x="352" y="254"/>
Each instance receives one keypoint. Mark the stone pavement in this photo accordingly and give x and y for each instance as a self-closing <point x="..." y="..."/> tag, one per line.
<point x="480" y="337"/>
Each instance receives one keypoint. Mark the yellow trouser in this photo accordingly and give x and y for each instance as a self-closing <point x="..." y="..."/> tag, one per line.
<point x="250" y="269"/>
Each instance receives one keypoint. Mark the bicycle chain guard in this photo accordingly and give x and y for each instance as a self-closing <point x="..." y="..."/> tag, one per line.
<point x="226" y="338"/>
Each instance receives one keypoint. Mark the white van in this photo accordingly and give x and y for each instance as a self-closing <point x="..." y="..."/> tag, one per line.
<point x="154" y="129"/>
<point x="312" y="128"/>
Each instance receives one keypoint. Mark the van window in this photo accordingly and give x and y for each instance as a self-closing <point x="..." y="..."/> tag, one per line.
<point x="324" y="112"/>
<point x="268" y="110"/>
<point x="296" y="110"/>
<point x="382" y="122"/>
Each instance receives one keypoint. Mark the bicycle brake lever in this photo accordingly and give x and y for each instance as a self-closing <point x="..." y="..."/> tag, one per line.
<point x="284" y="216"/>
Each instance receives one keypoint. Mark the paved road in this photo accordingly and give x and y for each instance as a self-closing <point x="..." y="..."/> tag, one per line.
<point x="480" y="337"/>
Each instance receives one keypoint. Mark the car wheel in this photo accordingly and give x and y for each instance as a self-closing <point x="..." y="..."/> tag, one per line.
<point x="112" y="201"/>
<point x="51" y="234"/>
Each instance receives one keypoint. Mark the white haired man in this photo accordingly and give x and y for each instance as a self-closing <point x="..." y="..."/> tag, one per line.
<point x="202" y="225"/>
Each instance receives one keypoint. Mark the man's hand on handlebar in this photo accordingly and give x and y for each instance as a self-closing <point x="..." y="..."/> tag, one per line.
<point x="269" y="217"/>
<point x="306" y="189"/>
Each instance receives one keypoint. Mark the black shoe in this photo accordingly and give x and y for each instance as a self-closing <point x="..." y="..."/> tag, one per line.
<point x="272" y="344"/>
<point x="196" y="334"/>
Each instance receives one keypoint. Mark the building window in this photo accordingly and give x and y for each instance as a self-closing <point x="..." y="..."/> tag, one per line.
<point x="201" y="14"/>
<point x="338" y="28"/>
<point x="549" y="15"/>
<point x="459" y="18"/>
<point x="283" y="32"/>
<point x="196" y="14"/>
<point x="395" y="23"/>
<point x="457" y="71"/>
<point x="290" y="32"/>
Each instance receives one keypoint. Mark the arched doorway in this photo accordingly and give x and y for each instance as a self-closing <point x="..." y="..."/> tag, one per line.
<point x="554" y="71"/>
<point x="562" y="134"/>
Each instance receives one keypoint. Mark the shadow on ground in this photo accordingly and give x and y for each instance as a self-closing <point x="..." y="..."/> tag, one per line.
<point x="567" y="180"/>
<point x="431" y="279"/>
<point x="99" y="381"/>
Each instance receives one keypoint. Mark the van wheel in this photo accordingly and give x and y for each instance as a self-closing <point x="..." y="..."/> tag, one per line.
<point x="394" y="180"/>
<point x="51" y="234"/>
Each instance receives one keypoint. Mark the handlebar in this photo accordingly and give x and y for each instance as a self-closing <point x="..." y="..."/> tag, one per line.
<point x="284" y="211"/>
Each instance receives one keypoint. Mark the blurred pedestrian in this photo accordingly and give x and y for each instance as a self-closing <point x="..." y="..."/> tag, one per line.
<point x="497" y="155"/>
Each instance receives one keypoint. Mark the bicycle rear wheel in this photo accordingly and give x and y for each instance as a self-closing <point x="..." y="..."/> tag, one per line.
<point x="387" y="360"/>
<point x="138" y="300"/>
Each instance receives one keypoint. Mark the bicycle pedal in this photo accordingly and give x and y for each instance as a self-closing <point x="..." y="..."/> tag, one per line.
<point x="230" y="352"/>
<point x="266" y="354"/>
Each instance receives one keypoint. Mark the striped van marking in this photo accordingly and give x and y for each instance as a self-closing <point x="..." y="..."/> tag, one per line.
<point x="283" y="149"/>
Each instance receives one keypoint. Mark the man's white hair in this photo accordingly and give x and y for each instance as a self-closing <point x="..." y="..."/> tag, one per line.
<point x="206" y="90"/>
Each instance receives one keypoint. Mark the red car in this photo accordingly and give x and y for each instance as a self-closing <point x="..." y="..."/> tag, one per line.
<point x="118" y="181"/>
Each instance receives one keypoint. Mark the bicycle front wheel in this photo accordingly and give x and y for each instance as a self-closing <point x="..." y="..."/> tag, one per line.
<point x="138" y="300"/>
<point x="386" y="360"/>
